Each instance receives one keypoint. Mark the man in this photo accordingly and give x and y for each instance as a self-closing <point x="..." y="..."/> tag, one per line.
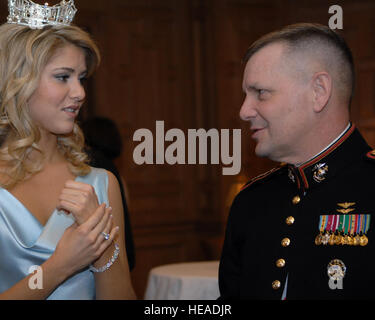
<point x="302" y="230"/>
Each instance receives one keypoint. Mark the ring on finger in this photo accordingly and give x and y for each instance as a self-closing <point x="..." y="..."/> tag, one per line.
<point x="105" y="235"/>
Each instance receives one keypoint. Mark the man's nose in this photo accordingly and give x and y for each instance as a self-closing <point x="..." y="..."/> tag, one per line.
<point x="247" y="110"/>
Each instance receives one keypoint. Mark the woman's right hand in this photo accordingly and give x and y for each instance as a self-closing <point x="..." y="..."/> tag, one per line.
<point x="82" y="244"/>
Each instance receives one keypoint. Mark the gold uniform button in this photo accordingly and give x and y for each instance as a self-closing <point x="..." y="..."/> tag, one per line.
<point x="276" y="284"/>
<point x="289" y="221"/>
<point x="296" y="200"/>
<point x="285" y="242"/>
<point x="280" y="263"/>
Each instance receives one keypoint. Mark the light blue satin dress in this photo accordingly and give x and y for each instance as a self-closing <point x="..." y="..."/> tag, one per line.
<point x="24" y="242"/>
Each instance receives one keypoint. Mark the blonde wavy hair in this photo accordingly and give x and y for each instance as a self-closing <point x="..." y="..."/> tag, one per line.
<point x="24" y="53"/>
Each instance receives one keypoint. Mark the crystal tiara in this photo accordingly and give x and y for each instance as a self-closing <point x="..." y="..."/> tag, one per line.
<point x="36" y="16"/>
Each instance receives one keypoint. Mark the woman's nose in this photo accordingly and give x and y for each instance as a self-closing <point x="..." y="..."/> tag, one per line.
<point x="77" y="91"/>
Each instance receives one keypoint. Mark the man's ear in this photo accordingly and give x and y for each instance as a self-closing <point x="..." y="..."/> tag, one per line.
<point x="322" y="90"/>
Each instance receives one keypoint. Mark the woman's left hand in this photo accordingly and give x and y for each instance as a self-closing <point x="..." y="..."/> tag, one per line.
<point x="79" y="199"/>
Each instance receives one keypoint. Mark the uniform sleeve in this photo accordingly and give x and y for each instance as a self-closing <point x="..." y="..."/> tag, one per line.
<point x="230" y="262"/>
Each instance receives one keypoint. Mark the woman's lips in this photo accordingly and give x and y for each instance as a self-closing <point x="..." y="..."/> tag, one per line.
<point x="71" y="111"/>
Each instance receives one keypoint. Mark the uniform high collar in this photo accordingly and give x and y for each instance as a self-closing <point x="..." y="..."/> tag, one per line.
<point x="324" y="166"/>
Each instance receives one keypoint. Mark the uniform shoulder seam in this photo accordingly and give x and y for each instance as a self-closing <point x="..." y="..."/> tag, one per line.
<point x="262" y="176"/>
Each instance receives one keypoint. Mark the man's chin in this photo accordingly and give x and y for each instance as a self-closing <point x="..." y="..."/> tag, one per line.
<point x="262" y="152"/>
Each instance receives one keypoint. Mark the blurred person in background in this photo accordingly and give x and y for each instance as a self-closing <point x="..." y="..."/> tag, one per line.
<point x="104" y="145"/>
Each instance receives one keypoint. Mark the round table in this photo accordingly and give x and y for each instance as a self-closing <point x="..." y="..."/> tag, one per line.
<point x="184" y="281"/>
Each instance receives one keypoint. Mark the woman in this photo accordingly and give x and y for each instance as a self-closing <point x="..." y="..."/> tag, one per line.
<point x="54" y="210"/>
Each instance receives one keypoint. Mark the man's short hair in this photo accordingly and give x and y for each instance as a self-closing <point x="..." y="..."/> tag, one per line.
<point x="317" y="38"/>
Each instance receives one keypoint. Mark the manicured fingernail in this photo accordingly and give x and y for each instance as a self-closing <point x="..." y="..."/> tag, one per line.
<point x="110" y="209"/>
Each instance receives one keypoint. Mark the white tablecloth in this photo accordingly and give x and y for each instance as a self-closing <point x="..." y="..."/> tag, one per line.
<point x="184" y="281"/>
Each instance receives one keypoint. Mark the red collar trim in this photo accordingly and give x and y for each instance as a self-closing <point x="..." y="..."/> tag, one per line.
<point x="324" y="154"/>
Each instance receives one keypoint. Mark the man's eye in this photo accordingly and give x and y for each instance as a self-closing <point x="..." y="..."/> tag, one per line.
<point x="262" y="94"/>
<point x="261" y="91"/>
